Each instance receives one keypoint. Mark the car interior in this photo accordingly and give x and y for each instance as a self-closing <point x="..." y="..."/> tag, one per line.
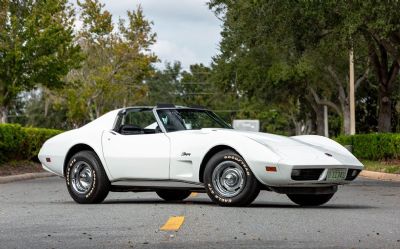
<point x="137" y="122"/>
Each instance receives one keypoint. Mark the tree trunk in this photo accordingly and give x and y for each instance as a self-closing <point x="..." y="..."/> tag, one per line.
<point x="302" y="127"/>
<point x="387" y="75"/>
<point x="3" y="114"/>
<point x="320" y="120"/>
<point x="46" y="106"/>
<point x="346" y="118"/>
<point x="385" y="110"/>
<point x="318" y="107"/>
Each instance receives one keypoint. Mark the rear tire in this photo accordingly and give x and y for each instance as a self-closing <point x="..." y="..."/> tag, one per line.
<point x="310" y="199"/>
<point x="87" y="182"/>
<point x="229" y="180"/>
<point x="173" y="195"/>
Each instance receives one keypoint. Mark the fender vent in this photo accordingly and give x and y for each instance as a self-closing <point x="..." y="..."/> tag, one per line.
<point x="306" y="174"/>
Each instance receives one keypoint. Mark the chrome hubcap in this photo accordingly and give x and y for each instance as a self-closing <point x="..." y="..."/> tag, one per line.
<point x="228" y="178"/>
<point x="81" y="177"/>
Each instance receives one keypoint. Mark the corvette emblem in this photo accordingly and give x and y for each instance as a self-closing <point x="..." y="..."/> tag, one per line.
<point x="185" y="154"/>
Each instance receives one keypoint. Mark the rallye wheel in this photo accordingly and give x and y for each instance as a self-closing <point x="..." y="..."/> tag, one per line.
<point x="173" y="195"/>
<point x="229" y="180"/>
<point x="310" y="199"/>
<point x="86" y="179"/>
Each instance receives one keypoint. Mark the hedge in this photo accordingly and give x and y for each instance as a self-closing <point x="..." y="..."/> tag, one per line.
<point x="377" y="146"/>
<point x="22" y="143"/>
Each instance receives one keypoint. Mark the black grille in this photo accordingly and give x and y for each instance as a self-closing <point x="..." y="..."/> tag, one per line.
<point x="306" y="174"/>
<point x="352" y="174"/>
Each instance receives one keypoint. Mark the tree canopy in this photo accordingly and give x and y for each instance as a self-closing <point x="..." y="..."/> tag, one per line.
<point x="36" y="47"/>
<point x="299" y="50"/>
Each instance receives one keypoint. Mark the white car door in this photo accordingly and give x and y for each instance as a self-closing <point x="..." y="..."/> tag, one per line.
<point x="137" y="151"/>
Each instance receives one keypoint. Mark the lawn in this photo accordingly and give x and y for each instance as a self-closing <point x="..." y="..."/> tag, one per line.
<point x="392" y="166"/>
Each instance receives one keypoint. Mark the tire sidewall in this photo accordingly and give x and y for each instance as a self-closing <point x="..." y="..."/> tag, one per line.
<point x="89" y="158"/>
<point x="249" y="184"/>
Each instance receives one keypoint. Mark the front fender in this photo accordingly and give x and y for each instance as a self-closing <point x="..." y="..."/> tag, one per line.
<point x="256" y="155"/>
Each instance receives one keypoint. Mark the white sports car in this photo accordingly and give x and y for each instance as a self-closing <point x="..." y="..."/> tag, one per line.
<point x="175" y="150"/>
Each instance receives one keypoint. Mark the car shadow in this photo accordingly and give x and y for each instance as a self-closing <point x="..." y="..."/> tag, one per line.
<point x="202" y="202"/>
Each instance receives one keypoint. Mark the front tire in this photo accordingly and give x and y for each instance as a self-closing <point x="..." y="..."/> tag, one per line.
<point x="229" y="180"/>
<point x="86" y="179"/>
<point x="173" y="195"/>
<point x="310" y="199"/>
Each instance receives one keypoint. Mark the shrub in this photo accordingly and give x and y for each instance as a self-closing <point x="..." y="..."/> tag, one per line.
<point x="22" y="143"/>
<point x="377" y="146"/>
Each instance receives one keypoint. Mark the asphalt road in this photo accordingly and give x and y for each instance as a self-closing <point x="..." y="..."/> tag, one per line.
<point x="40" y="214"/>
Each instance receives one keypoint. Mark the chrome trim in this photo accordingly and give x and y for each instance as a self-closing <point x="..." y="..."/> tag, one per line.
<point x="82" y="177"/>
<point x="155" y="180"/>
<point x="322" y="177"/>
<point x="158" y="120"/>
<point x="228" y="179"/>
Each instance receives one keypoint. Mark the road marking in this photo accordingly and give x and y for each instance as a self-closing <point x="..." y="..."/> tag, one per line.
<point x="194" y="194"/>
<point x="173" y="223"/>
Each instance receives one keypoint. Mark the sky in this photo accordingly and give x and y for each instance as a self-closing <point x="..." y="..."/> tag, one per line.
<point x="187" y="31"/>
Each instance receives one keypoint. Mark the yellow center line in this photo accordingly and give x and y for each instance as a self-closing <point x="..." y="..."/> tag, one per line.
<point x="194" y="194"/>
<point x="173" y="223"/>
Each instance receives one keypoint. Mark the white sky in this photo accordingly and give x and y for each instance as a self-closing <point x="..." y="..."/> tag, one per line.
<point x="187" y="30"/>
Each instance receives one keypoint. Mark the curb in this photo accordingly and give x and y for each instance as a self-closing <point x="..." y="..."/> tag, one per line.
<point x="27" y="176"/>
<point x="380" y="176"/>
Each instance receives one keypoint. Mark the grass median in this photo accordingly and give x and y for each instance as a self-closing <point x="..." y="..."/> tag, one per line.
<point x="391" y="166"/>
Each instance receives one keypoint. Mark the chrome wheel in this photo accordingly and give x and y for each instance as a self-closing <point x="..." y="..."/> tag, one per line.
<point x="81" y="177"/>
<point x="228" y="178"/>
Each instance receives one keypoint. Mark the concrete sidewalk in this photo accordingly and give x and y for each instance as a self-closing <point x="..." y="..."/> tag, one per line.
<point x="380" y="176"/>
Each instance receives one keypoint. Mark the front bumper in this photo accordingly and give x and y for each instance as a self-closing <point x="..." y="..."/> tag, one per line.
<point x="311" y="175"/>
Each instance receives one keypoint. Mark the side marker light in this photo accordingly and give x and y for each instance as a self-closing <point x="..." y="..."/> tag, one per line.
<point x="270" y="169"/>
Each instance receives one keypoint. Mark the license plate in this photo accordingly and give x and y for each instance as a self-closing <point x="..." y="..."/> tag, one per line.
<point x="336" y="174"/>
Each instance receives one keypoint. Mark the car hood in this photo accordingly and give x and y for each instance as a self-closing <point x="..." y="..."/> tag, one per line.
<point x="296" y="152"/>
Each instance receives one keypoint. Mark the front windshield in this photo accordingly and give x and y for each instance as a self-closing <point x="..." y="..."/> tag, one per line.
<point x="190" y="119"/>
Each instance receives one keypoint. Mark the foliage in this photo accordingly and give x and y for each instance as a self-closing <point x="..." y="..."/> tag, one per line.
<point x="36" y="47"/>
<point x="22" y="143"/>
<point x="163" y="84"/>
<point x="46" y="109"/>
<point x="279" y="50"/>
<point x="117" y="62"/>
<point x="374" y="146"/>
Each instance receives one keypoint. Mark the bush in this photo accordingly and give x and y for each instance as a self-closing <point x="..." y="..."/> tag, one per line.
<point x="22" y="143"/>
<point x="379" y="146"/>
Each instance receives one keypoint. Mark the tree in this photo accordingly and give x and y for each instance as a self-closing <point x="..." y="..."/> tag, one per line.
<point x="117" y="63"/>
<point x="36" y="47"/>
<point x="254" y="29"/>
<point x="163" y="84"/>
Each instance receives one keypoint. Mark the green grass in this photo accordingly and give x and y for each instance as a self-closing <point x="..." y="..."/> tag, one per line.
<point x="382" y="166"/>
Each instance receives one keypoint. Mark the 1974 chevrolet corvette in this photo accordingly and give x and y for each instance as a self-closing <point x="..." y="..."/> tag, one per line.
<point x="175" y="150"/>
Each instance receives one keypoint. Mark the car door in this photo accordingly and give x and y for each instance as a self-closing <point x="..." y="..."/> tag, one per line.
<point x="137" y="149"/>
